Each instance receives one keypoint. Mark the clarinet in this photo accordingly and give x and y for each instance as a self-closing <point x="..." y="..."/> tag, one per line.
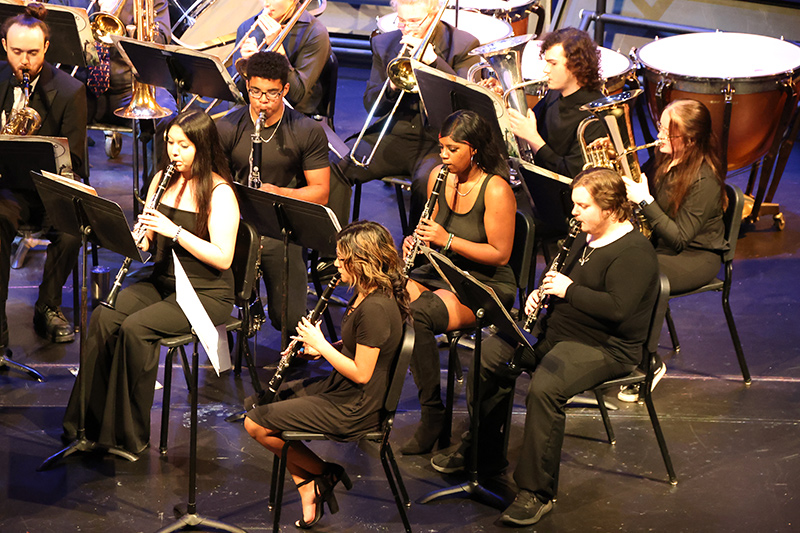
<point x="254" y="181"/>
<point x="268" y="394"/>
<point x="426" y="213"/>
<point x="556" y="266"/>
<point x="139" y="234"/>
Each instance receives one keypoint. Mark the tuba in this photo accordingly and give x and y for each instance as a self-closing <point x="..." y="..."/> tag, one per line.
<point x="143" y="103"/>
<point x="504" y="58"/>
<point x="24" y="120"/>
<point x="614" y="113"/>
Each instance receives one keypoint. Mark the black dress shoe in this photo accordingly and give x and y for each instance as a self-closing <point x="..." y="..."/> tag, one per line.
<point x="50" y="323"/>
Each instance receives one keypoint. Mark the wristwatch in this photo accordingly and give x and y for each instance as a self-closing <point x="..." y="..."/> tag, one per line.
<point x="644" y="203"/>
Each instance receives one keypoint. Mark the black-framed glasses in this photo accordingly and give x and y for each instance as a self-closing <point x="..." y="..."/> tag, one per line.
<point x="272" y="94"/>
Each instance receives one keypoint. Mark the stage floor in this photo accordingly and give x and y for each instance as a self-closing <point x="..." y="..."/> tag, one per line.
<point x="734" y="448"/>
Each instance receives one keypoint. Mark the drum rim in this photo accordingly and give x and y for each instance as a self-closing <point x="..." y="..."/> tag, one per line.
<point x="706" y="85"/>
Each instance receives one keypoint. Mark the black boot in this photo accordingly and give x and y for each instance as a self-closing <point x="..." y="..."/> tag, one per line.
<point x="427" y="433"/>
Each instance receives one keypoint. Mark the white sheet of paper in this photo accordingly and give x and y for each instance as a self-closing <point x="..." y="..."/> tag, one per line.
<point x="213" y="338"/>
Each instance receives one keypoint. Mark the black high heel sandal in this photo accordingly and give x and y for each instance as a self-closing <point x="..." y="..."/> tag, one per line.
<point x="335" y="473"/>
<point x="319" y="502"/>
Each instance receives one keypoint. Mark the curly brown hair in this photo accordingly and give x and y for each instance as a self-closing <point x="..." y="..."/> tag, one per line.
<point x="607" y="189"/>
<point x="367" y="251"/>
<point x="583" y="56"/>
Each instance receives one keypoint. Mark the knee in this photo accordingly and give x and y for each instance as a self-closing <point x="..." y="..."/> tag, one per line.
<point x="429" y="313"/>
<point x="253" y="429"/>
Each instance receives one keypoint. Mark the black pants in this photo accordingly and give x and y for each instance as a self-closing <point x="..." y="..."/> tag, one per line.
<point x="272" y="269"/>
<point x="688" y="270"/>
<point x="411" y="153"/>
<point x="24" y="207"/>
<point x="561" y="371"/>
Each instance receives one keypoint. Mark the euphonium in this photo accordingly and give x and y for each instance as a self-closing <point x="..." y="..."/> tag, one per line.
<point x="139" y="234"/>
<point x="24" y="120"/>
<point x="614" y="113"/>
<point x="143" y="103"/>
<point x="104" y="24"/>
<point x="399" y="73"/>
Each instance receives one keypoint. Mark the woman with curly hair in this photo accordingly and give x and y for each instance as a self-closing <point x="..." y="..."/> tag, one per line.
<point x="347" y="402"/>
<point x="573" y="75"/>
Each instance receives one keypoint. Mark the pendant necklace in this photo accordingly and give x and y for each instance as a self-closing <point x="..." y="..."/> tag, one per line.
<point x="584" y="256"/>
<point x="276" y="128"/>
<point x="470" y="189"/>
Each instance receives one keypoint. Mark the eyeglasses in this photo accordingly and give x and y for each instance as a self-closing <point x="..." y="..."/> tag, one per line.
<point x="272" y="94"/>
<point x="412" y="23"/>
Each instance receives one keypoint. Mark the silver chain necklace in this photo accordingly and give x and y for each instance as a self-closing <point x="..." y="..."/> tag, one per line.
<point x="584" y="256"/>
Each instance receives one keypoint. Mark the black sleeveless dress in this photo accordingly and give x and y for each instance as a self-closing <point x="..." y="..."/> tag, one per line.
<point x="469" y="226"/>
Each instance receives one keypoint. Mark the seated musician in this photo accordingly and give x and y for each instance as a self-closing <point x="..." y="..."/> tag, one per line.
<point x="686" y="207"/>
<point x="473" y="224"/>
<point x="61" y="102"/>
<point x="307" y="47"/>
<point x="410" y="146"/>
<point x="550" y="128"/>
<point x="596" y="322"/>
<point x="347" y="402"/>
<point x="294" y="163"/>
<point x="111" y="90"/>
<point x="197" y="219"/>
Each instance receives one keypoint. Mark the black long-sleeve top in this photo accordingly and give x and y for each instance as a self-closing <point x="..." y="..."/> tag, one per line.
<point x="697" y="224"/>
<point x="611" y="298"/>
<point x="557" y="120"/>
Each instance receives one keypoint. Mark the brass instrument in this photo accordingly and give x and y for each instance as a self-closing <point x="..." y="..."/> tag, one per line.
<point x="241" y="63"/>
<point x="104" y="25"/>
<point x="267" y="395"/>
<point x="139" y="234"/>
<point x="143" y="103"/>
<point x="426" y="213"/>
<point x="504" y="58"/>
<point x="400" y="73"/>
<point x="614" y="112"/>
<point x="24" y="120"/>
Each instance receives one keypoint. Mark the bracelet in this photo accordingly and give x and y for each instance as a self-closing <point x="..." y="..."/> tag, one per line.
<point x="449" y="242"/>
<point x="175" y="238"/>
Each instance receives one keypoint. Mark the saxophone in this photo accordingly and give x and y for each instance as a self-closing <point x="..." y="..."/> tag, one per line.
<point x="426" y="213"/>
<point x="24" y="120"/>
<point x="268" y="394"/>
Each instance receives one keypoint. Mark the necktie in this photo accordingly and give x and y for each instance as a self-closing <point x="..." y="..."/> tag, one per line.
<point x="99" y="77"/>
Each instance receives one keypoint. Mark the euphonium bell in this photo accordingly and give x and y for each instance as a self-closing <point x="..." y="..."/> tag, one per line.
<point x="104" y="25"/>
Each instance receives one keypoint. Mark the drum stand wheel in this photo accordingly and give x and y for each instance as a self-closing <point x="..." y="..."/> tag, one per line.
<point x="113" y="144"/>
<point x="767" y="208"/>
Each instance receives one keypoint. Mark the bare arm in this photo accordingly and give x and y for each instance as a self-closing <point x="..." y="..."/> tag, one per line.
<point x="319" y="181"/>
<point x="358" y="369"/>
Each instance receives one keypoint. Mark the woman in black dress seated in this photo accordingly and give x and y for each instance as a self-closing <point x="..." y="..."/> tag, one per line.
<point x="686" y="205"/>
<point x="473" y="225"/>
<point x="197" y="218"/>
<point x="347" y="402"/>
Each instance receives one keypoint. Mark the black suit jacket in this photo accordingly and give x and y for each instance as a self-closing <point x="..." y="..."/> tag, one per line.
<point x="61" y="101"/>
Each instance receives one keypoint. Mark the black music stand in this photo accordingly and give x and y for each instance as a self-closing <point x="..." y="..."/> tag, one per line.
<point x="77" y="211"/>
<point x="191" y="519"/>
<point x="179" y="69"/>
<point x="16" y="154"/>
<point x="292" y="221"/>
<point x="70" y="33"/>
<point x="488" y="310"/>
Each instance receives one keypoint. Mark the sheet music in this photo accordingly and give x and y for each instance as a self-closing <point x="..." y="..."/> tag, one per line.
<point x="213" y="338"/>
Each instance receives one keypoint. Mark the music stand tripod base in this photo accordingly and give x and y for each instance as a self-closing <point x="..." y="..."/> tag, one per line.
<point x="7" y="362"/>
<point x="82" y="444"/>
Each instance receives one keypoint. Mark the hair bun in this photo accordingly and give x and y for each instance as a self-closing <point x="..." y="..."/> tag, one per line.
<point x="36" y="10"/>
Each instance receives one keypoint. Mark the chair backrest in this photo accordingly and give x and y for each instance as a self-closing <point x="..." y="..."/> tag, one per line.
<point x="329" y="78"/>
<point x="732" y="219"/>
<point x="398" y="374"/>
<point x="245" y="255"/>
<point x="522" y="252"/>
<point x="657" y="318"/>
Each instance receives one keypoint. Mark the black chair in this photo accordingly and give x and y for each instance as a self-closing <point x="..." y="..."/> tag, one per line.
<point x="400" y="183"/>
<point x="246" y="254"/>
<point x="643" y="375"/>
<point x="520" y="262"/>
<point x="329" y="77"/>
<point x="733" y="221"/>
<point x="380" y="436"/>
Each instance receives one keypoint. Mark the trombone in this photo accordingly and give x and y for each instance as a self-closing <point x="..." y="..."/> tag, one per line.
<point x="274" y="45"/>
<point x="401" y="74"/>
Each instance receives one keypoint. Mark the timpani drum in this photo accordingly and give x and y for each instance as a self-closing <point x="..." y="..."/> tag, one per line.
<point x="483" y="27"/>
<point x="615" y="68"/>
<point x="515" y="12"/>
<point x="756" y="74"/>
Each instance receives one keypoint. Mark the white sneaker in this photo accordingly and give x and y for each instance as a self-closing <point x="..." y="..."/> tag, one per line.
<point x="630" y="393"/>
